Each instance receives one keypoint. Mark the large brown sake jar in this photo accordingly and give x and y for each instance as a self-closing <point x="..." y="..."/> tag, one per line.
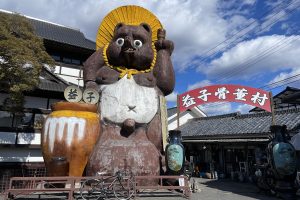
<point x="69" y="132"/>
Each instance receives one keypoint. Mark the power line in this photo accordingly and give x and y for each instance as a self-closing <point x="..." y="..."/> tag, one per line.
<point x="265" y="54"/>
<point x="210" y="55"/>
<point x="224" y="41"/>
<point x="283" y="80"/>
<point x="258" y="57"/>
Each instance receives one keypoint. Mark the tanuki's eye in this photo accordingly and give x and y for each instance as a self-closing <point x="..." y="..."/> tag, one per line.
<point x="137" y="44"/>
<point x="120" y="42"/>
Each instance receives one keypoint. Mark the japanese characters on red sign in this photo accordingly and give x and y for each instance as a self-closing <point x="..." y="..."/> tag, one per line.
<point x="221" y="93"/>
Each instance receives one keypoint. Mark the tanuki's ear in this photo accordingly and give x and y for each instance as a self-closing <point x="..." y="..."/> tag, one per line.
<point x="119" y="25"/>
<point x="146" y="27"/>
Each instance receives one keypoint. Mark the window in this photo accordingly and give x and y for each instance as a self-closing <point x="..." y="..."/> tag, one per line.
<point x="23" y="121"/>
<point x="67" y="60"/>
<point x="5" y="119"/>
<point x="71" y="61"/>
<point x="75" y="61"/>
<point x="56" y="57"/>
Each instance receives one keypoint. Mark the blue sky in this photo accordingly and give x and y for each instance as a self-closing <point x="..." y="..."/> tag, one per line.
<point x="248" y="42"/>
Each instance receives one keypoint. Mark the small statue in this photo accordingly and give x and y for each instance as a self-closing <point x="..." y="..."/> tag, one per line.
<point x="282" y="157"/>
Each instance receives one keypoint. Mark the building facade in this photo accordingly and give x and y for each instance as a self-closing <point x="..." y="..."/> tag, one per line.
<point x="20" y="134"/>
<point x="232" y="144"/>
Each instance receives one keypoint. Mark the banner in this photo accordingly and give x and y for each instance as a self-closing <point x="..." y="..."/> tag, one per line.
<point x="225" y="93"/>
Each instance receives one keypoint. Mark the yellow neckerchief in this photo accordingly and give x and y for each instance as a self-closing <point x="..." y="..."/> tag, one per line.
<point x="123" y="70"/>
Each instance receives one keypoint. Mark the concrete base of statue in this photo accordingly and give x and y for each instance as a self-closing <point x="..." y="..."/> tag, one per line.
<point x="133" y="154"/>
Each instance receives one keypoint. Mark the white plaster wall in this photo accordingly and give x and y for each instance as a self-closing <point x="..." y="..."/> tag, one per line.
<point x="7" y="137"/>
<point x="29" y="138"/>
<point x="70" y="71"/>
<point x="56" y="70"/>
<point x="184" y="117"/>
<point x="35" y="102"/>
<point x="20" y="155"/>
<point x="23" y="138"/>
<point x="71" y="79"/>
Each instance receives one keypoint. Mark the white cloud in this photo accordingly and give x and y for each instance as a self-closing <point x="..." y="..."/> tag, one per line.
<point x="172" y="97"/>
<point x="286" y="78"/>
<point x="257" y="56"/>
<point x="199" y="84"/>
<point x="194" y="26"/>
<point x="244" y="108"/>
<point x="219" y="108"/>
<point x="280" y="11"/>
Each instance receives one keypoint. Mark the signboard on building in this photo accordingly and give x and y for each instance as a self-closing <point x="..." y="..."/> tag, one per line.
<point x="225" y="93"/>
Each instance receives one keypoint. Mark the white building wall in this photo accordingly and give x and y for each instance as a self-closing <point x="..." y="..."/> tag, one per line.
<point x="71" y="79"/>
<point x="7" y="137"/>
<point x="70" y="71"/>
<point x="184" y="117"/>
<point x="23" y="138"/>
<point x="69" y="74"/>
<point x="29" y="138"/>
<point x="20" y="155"/>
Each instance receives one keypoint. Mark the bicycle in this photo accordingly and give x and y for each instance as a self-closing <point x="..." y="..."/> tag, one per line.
<point x="104" y="187"/>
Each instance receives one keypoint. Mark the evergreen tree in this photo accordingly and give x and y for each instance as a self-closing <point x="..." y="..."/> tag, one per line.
<point x="22" y="57"/>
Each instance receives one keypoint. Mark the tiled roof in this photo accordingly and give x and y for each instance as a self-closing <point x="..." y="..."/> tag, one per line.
<point x="51" y="82"/>
<point x="51" y="86"/>
<point x="172" y="111"/>
<point x="237" y="124"/>
<point x="61" y="34"/>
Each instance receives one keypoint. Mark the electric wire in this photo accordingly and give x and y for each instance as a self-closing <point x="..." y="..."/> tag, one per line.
<point x="257" y="58"/>
<point x="269" y="25"/>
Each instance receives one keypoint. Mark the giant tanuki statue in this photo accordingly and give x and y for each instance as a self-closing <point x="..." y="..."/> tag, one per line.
<point x="131" y="69"/>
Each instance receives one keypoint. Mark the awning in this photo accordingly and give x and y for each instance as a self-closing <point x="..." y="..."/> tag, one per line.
<point x="227" y="140"/>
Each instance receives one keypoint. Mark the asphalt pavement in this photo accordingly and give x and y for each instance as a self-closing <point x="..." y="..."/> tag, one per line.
<point x="208" y="189"/>
<point x="223" y="189"/>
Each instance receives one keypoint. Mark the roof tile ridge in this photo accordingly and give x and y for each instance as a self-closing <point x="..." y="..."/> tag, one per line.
<point x="218" y="116"/>
<point x="292" y="110"/>
<point x="249" y="115"/>
<point x="48" y="22"/>
<point x="276" y="112"/>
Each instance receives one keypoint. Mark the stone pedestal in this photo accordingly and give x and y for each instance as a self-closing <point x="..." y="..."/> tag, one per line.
<point x="134" y="154"/>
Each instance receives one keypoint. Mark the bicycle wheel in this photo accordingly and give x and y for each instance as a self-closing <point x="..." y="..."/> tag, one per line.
<point x="92" y="189"/>
<point x="123" y="189"/>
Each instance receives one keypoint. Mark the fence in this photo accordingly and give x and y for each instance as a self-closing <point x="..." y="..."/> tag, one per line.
<point x="70" y="186"/>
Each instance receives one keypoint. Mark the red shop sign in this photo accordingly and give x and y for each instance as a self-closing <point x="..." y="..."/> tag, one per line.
<point x="225" y="93"/>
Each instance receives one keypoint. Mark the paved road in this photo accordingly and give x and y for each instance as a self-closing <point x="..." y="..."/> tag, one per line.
<point x="208" y="190"/>
<point x="221" y="190"/>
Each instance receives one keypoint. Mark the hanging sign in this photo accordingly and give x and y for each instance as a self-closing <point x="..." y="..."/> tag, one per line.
<point x="90" y="96"/>
<point x="225" y="93"/>
<point x="73" y="94"/>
